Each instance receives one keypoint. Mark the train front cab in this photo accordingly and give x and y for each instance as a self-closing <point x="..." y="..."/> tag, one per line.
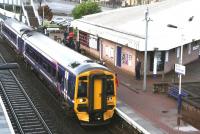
<point x="95" y="97"/>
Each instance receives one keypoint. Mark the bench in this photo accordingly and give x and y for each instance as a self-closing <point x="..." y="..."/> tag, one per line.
<point x="174" y="92"/>
<point x="161" y="87"/>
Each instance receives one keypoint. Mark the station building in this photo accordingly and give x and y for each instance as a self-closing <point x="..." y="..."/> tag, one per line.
<point x="118" y="36"/>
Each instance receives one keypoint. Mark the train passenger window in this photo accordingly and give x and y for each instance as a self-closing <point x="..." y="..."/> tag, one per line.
<point x="45" y="66"/>
<point x="83" y="78"/>
<point x="40" y="60"/>
<point x="59" y="77"/>
<point x="36" y="58"/>
<point x="53" y="72"/>
<point x="48" y="68"/>
<point x="82" y="89"/>
<point x="110" y="87"/>
<point x="71" y="87"/>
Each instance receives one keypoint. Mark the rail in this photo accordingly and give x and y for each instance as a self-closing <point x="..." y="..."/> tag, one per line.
<point x="21" y="105"/>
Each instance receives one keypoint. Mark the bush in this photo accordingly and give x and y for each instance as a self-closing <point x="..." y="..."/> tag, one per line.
<point x="85" y="8"/>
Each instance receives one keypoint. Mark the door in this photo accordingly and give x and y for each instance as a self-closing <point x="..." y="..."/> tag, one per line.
<point x="20" y="45"/>
<point x="119" y="52"/>
<point x="97" y="94"/>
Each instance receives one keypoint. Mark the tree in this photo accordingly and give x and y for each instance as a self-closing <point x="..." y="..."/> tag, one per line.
<point x="85" y="8"/>
<point x="47" y="12"/>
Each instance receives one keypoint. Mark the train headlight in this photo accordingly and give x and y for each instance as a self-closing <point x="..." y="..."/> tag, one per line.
<point x="109" y="98"/>
<point x="82" y="100"/>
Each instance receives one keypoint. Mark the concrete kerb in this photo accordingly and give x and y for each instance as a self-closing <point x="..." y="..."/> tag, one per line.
<point x="131" y="122"/>
<point x="136" y="121"/>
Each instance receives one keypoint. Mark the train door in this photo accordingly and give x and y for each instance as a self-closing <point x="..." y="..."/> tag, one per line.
<point x="20" y="45"/>
<point x="61" y="78"/>
<point x="97" y="93"/>
<point x="66" y="84"/>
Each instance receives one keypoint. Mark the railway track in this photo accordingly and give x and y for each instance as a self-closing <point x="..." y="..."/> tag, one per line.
<point x="25" y="117"/>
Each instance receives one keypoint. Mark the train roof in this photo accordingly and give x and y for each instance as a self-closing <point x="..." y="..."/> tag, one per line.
<point x="17" y="26"/>
<point x="56" y="52"/>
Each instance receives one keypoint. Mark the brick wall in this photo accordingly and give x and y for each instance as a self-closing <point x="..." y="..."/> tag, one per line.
<point x="187" y="58"/>
<point x="130" y="66"/>
<point x="108" y="51"/>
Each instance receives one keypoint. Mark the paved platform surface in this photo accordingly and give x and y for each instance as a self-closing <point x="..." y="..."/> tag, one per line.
<point x="5" y="124"/>
<point x="157" y="113"/>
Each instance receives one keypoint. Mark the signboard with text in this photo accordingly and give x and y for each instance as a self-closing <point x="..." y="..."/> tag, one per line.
<point x="180" y="69"/>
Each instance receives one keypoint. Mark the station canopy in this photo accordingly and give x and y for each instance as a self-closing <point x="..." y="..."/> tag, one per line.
<point x="127" y="26"/>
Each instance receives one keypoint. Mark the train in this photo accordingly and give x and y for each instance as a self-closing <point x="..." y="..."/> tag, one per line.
<point x="86" y="87"/>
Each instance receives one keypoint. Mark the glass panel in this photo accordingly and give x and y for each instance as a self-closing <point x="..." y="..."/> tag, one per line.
<point x="110" y="87"/>
<point x="82" y="89"/>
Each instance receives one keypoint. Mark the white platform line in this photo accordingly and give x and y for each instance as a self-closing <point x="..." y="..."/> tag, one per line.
<point x="6" y="116"/>
<point x="131" y="122"/>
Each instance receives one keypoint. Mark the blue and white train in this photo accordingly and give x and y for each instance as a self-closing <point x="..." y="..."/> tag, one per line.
<point x="83" y="85"/>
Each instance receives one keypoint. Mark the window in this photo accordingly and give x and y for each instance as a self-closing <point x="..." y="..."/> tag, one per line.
<point x="71" y="87"/>
<point x="127" y="59"/>
<point x="45" y="65"/>
<point x="59" y="77"/>
<point x="82" y="89"/>
<point x="53" y="72"/>
<point x="83" y="38"/>
<point x="110" y="87"/>
<point x="166" y="56"/>
<point x="160" y="56"/>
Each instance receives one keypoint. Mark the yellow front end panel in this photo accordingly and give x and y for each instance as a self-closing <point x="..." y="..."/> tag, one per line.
<point x="83" y="116"/>
<point x="108" y="114"/>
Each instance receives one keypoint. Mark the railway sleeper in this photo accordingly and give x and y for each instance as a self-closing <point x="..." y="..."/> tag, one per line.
<point x="30" y="122"/>
<point x="34" y="129"/>
<point x="39" y="125"/>
<point x="28" y="118"/>
<point x="28" y="110"/>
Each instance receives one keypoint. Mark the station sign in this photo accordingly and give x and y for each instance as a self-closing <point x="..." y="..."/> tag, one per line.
<point x="180" y="69"/>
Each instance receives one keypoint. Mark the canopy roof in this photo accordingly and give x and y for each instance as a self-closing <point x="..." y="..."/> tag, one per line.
<point x="127" y="26"/>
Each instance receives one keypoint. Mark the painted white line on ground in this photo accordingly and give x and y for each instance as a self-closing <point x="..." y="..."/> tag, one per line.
<point x="131" y="122"/>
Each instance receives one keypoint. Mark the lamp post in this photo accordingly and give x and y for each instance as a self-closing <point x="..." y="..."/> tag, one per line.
<point x="147" y="19"/>
<point x="180" y="62"/>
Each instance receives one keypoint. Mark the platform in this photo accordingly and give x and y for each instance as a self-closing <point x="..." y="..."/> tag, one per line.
<point x="5" y="124"/>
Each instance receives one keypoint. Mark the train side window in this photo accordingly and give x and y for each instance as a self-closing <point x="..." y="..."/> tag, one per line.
<point x="110" y="87"/>
<point x="71" y="87"/>
<point x="36" y="58"/>
<point x="40" y="60"/>
<point x="53" y="72"/>
<point x="59" y="77"/>
<point x="45" y="66"/>
<point x="82" y="89"/>
<point x="48" y="68"/>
